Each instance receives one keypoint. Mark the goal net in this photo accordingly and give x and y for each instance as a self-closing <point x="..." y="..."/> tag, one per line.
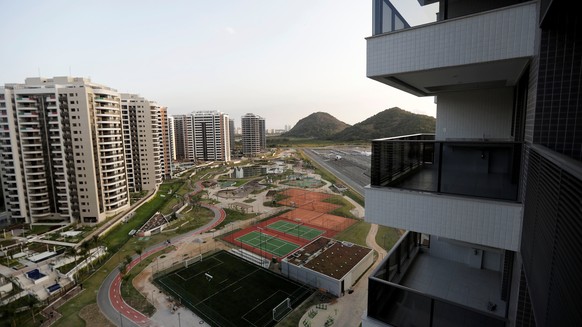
<point x="282" y="309"/>
<point x="192" y="260"/>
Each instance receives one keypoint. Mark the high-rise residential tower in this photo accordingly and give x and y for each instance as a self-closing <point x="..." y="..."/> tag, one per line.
<point x="142" y="124"/>
<point x="211" y="136"/>
<point x="166" y="147"/>
<point x="492" y="201"/>
<point x="231" y="131"/>
<point x="62" y="151"/>
<point x="183" y="137"/>
<point x="253" y="134"/>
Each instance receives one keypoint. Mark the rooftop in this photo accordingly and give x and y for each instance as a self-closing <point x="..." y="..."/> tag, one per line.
<point x="329" y="257"/>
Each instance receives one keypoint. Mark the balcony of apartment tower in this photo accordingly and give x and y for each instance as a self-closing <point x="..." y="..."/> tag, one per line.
<point x="475" y="43"/>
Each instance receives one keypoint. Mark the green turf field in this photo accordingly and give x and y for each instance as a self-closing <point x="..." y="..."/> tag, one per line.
<point x="238" y="293"/>
<point x="268" y="243"/>
<point x="294" y="229"/>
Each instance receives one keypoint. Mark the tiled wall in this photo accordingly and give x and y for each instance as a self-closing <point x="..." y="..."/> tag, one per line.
<point x="491" y="223"/>
<point x="497" y="35"/>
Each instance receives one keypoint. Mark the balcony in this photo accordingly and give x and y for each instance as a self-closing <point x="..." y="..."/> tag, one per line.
<point x="485" y="169"/>
<point x="412" y="288"/>
<point x="463" y="190"/>
<point x="485" y="49"/>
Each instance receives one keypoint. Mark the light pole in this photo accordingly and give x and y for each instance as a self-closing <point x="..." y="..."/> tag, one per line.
<point x="300" y="222"/>
<point x="260" y="240"/>
<point x="179" y="323"/>
<point x="120" y="319"/>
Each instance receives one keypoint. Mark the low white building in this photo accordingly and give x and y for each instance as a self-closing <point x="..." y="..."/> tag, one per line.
<point x="329" y="265"/>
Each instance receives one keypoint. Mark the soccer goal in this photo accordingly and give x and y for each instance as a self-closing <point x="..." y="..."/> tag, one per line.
<point x="282" y="309"/>
<point x="192" y="260"/>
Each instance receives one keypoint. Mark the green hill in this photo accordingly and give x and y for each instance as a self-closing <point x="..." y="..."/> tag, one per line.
<point x="390" y="122"/>
<point x="319" y="125"/>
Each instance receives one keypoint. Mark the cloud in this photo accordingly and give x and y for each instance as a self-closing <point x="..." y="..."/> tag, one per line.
<point x="229" y="30"/>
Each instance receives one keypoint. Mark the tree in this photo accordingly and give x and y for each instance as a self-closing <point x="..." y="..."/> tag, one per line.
<point x="139" y="251"/>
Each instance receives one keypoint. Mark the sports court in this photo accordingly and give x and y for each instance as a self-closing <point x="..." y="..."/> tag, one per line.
<point x="268" y="243"/>
<point x="294" y="229"/>
<point x="225" y="290"/>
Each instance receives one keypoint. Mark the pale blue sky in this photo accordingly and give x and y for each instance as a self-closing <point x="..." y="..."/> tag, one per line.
<point x="279" y="59"/>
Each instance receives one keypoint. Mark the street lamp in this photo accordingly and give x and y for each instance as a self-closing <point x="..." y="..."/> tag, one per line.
<point x="179" y="323"/>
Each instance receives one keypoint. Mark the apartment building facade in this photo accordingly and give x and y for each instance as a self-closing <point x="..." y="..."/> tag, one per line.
<point x="254" y="139"/>
<point x="62" y="151"/>
<point x="211" y="131"/>
<point x="183" y="137"/>
<point x="143" y="142"/>
<point x="491" y="201"/>
<point x="166" y="146"/>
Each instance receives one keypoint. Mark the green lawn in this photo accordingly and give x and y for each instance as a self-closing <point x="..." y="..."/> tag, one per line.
<point x="344" y="210"/>
<point x="356" y="233"/>
<point x="387" y="237"/>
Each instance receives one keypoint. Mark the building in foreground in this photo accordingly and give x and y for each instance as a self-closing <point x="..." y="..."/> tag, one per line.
<point x="62" y="151"/>
<point x="253" y="134"/>
<point x="211" y="130"/>
<point x="491" y="201"/>
<point x="327" y="264"/>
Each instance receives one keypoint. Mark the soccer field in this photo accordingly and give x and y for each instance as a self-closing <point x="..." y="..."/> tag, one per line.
<point x="268" y="243"/>
<point x="294" y="229"/>
<point x="225" y="290"/>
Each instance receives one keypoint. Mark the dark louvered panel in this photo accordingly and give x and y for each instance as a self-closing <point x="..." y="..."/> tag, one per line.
<point x="551" y="242"/>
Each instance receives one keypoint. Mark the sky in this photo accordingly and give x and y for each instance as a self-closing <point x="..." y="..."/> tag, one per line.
<point x="280" y="59"/>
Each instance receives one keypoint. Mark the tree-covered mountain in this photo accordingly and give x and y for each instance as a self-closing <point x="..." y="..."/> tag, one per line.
<point x="390" y="122"/>
<point x="319" y="125"/>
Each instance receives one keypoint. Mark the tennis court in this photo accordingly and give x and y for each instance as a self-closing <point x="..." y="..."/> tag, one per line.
<point x="294" y="229"/>
<point x="227" y="291"/>
<point x="268" y="243"/>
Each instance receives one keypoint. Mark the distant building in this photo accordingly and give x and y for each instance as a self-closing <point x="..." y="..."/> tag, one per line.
<point x="231" y="131"/>
<point x="211" y="130"/>
<point x="142" y="129"/>
<point x="62" y="151"/>
<point x="166" y="147"/>
<point x="253" y="134"/>
<point x="183" y="138"/>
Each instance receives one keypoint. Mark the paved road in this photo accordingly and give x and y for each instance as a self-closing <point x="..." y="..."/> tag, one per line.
<point x="109" y="297"/>
<point x="350" y="171"/>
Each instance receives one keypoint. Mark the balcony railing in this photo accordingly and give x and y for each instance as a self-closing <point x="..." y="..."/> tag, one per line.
<point x="398" y="305"/>
<point x="488" y="169"/>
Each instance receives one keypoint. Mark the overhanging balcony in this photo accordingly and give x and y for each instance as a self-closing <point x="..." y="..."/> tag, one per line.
<point x="463" y="190"/>
<point x="488" y="169"/>
<point x="487" y="49"/>
<point x="412" y="288"/>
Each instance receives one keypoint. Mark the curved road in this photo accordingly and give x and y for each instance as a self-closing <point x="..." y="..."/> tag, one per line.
<point x="109" y="297"/>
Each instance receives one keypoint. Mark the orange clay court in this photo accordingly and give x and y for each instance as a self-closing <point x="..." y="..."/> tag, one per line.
<point x="312" y="210"/>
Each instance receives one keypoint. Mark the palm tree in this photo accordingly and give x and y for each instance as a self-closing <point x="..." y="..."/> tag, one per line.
<point x="72" y="252"/>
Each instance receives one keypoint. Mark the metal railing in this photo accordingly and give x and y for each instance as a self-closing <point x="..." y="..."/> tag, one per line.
<point x="488" y="169"/>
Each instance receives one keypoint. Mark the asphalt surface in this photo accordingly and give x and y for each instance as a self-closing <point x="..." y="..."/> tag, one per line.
<point x="352" y="167"/>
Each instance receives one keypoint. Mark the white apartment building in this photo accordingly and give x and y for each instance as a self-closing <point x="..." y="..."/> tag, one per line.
<point x="62" y="151"/>
<point x="211" y="136"/>
<point x="142" y="129"/>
